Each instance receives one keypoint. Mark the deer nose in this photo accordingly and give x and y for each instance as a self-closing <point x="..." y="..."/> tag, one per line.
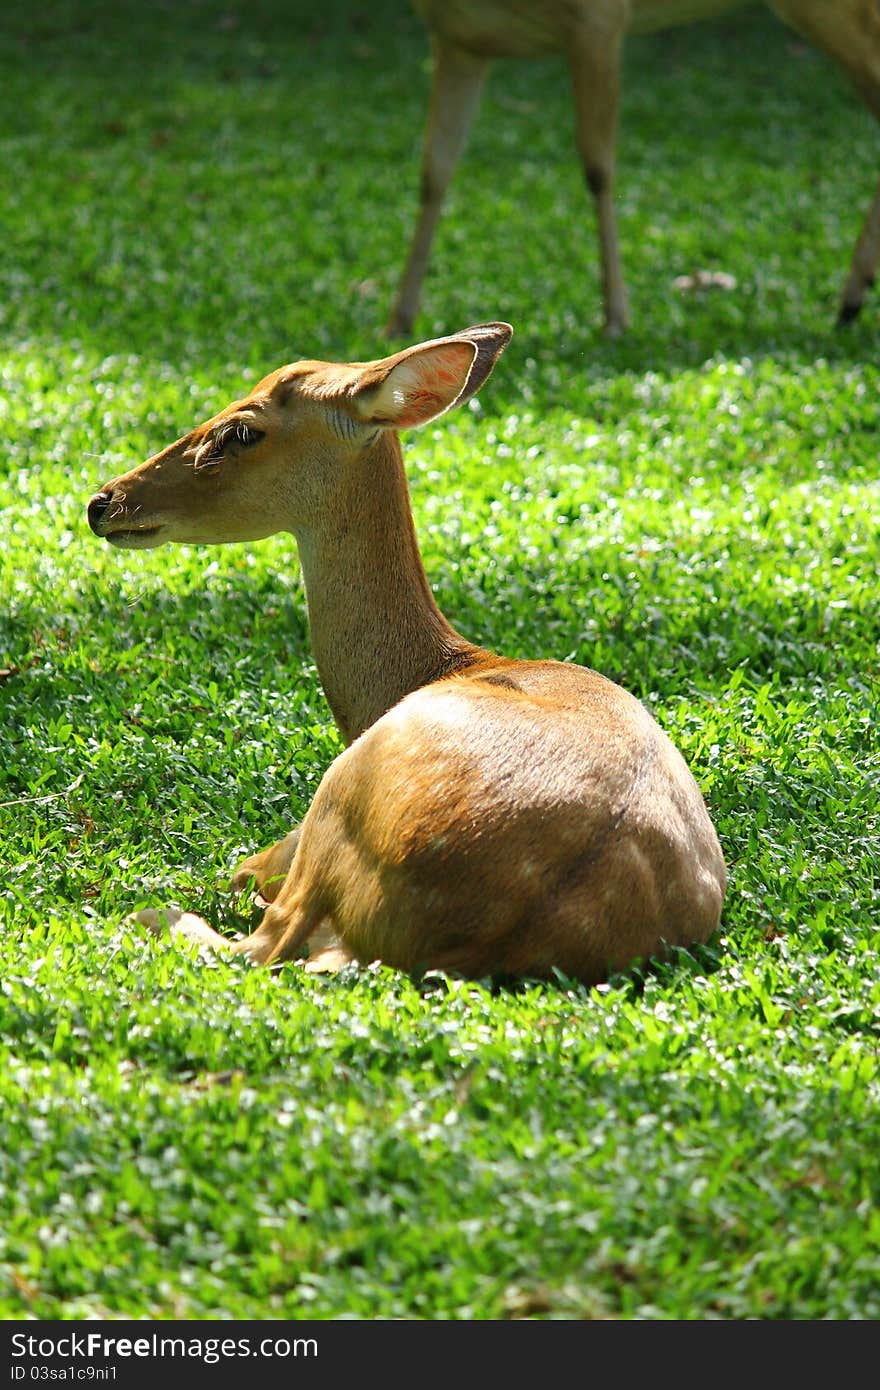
<point x="97" y="507"/>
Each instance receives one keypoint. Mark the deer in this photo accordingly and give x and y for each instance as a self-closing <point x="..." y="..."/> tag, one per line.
<point x="487" y="816"/>
<point x="466" y="35"/>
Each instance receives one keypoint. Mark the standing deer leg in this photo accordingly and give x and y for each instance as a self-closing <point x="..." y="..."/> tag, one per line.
<point x="863" y="270"/>
<point x="849" y="32"/>
<point x="595" y="57"/>
<point x="455" y="94"/>
<point x="866" y="256"/>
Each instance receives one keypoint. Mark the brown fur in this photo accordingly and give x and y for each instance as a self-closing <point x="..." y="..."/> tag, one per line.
<point x="489" y="816"/>
<point x="467" y="34"/>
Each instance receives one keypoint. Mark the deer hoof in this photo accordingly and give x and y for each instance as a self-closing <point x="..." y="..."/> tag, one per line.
<point x="848" y="312"/>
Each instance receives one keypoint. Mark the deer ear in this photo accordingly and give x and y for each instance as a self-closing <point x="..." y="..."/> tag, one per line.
<point x="490" y="340"/>
<point x="415" y="386"/>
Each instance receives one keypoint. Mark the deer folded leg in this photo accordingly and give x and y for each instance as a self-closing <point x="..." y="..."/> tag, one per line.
<point x="181" y="926"/>
<point x="268" y="868"/>
<point x="327" y="953"/>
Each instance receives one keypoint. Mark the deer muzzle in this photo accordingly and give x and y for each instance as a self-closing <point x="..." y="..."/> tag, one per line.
<point x="110" y="518"/>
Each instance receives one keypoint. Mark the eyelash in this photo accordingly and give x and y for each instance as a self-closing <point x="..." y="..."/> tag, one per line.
<point x="209" y="454"/>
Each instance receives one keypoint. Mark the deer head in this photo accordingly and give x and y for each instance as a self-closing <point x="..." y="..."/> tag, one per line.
<point x="276" y="459"/>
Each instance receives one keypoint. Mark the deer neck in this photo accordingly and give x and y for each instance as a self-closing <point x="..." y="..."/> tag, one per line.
<point x="376" y="631"/>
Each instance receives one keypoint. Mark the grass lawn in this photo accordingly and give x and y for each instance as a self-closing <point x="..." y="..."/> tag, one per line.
<point x="192" y="194"/>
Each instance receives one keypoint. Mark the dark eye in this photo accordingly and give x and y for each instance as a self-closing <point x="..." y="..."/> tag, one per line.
<point x="213" y="449"/>
<point x="245" y="434"/>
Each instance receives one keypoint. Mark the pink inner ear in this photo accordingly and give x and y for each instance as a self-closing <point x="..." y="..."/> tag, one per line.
<point x="420" y="405"/>
<point x="430" y="381"/>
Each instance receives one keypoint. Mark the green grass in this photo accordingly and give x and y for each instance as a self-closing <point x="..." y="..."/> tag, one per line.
<point x="192" y="195"/>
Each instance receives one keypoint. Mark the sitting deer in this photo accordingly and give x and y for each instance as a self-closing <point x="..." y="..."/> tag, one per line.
<point x="488" y="816"/>
<point x="467" y="34"/>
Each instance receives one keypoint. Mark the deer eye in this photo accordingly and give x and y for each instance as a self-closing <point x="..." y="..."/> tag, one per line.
<point x="213" y="449"/>
<point x="245" y="434"/>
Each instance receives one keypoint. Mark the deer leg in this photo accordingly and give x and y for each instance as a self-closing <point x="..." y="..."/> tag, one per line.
<point x="287" y="923"/>
<point x="327" y="954"/>
<point x="455" y="93"/>
<point x="595" y="56"/>
<point x="863" y="270"/>
<point x="295" y="919"/>
<point x="268" y="868"/>
<point x="278" y="937"/>
<point x="181" y="926"/>
<point x="849" y="32"/>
